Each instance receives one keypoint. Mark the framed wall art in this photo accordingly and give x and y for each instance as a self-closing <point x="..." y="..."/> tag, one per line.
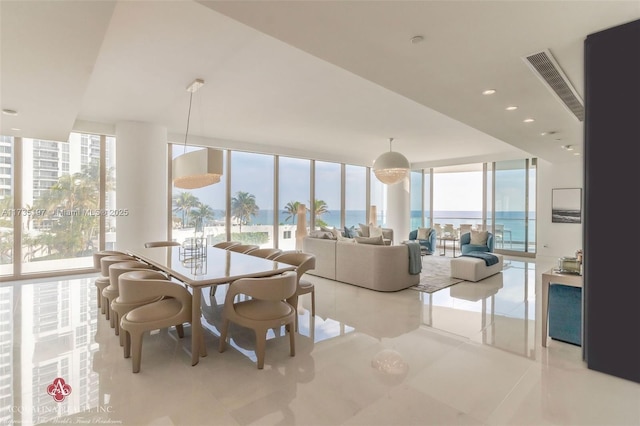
<point x="566" y="205"/>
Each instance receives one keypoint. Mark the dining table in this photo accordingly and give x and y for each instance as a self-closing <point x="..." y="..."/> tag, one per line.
<point x="203" y="267"/>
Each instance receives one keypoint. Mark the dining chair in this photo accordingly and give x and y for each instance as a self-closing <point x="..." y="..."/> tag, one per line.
<point x="226" y="244"/>
<point x="105" y="263"/>
<point x="303" y="262"/>
<point x="243" y="248"/>
<point x="464" y="228"/>
<point x="172" y="309"/>
<point x="151" y="244"/>
<point x="101" y="282"/>
<point x="111" y="292"/>
<point x="267" y="308"/>
<point x="266" y="253"/>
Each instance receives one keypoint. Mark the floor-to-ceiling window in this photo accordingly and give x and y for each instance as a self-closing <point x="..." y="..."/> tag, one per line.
<point x="328" y="189"/>
<point x="378" y="201"/>
<point x="294" y="186"/>
<point x="252" y="198"/>
<point x="56" y="203"/>
<point x="355" y="195"/>
<point x="416" y="197"/>
<point x="6" y="205"/>
<point x="457" y="195"/>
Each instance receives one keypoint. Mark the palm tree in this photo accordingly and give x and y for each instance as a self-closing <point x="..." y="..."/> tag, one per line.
<point x="243" y="206"/>
<point x="185" y="202"/>
<point x="321" y="208"/>
<point x="201" y="214"/>
<point x="291" y="209"/>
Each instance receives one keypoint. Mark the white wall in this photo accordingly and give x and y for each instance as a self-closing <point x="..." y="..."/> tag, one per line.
<point x="557" y="239"/>
<point x="399" y="210"/>
<point x="141" y="184"/>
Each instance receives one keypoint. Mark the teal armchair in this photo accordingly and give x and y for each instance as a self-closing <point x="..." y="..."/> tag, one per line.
<point x="466" y="246"/>
<point x="429" y="244"/>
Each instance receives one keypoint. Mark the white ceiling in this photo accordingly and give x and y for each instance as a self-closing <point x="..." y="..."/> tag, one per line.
<point x="327" y="80"/>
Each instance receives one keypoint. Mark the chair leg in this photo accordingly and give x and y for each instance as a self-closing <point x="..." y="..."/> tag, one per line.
<point x="212" y="292"/>
<point x="261" y="343"/>
<point x="313" y="302"/>
<point x="127" y="343"/>
<point x="116" y="322"/>
<point x="112" y="318"/>
<point x="107" y="314"/>
<point x="180" y="330"/>
<point x="223" y="336"/>
<point x="99" y="298"/>
<point x="292" y="343"/>
<point x="136" y="349"/>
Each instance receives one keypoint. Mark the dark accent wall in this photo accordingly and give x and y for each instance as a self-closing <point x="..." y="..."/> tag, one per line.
<point x="612" y="194"/>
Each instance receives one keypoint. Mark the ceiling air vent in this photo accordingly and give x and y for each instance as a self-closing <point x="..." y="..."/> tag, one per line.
<point x="547" y="69"/>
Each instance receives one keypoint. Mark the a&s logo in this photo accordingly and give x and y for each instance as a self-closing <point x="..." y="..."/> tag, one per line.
<point x="59" y="390"/>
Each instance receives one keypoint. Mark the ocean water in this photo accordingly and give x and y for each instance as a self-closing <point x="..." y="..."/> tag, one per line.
<point x="514" y="222"/>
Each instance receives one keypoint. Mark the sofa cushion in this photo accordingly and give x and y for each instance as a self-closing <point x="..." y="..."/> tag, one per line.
<point x="423" y="233"/>
<point x="345" y="239"/>
<point x="479" y="238"/>
<point x="350" y="232"/>
<point x="379" y="241"/>
<point x="364" y="230"/>
<point x="322" y="234"/>
<point x="375" y="231"/>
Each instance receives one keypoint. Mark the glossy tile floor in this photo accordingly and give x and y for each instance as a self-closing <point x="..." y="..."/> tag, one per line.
<point x="467" y="354"/>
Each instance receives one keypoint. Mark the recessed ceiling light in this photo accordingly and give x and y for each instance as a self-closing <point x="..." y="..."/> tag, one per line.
<point x="417" y="39"/>
<point x="576" y="153"/>
<point x="511" y="108"/>
<point x="15" y="129"/>
<point x="528" y="120"/>
<point x="9" y="112"/>
<point x="567" y="147"/>
<point x="489" y="92"/>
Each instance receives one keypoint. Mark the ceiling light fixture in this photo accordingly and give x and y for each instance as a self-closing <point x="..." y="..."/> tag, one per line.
<point x="567" y="147"/>
<point x="528" y="120"/>
<point x="489" y="92"/>
<point x="9" y="112"/>
<point x="511" y="108"/>
<point x="200" y="168"/>
<point x="417" y="39"/>
<point x="391" y="167"/>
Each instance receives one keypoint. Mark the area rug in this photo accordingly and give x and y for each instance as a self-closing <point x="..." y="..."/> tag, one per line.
<point x="435" y="275"/>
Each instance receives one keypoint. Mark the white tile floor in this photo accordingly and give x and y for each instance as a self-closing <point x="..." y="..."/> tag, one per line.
<point x="468" y="354"/>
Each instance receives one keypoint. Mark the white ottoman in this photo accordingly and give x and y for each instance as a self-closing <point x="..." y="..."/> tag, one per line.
<point x="474" y="269"/>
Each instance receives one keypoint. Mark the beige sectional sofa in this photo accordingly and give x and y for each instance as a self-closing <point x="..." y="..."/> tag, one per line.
<point x="377" y="267"/>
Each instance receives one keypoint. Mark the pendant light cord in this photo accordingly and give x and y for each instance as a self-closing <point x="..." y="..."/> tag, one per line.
<point x="390" y="141"/>
<point x="188" y="120"/>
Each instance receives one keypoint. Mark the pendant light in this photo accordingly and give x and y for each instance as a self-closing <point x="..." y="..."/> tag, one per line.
<point x="199" y="168"/>
<point x="391" y="167"/>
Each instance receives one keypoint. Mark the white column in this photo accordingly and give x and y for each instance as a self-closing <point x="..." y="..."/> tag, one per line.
<point x="141" y="183"/>
<point x="399" y="210"/>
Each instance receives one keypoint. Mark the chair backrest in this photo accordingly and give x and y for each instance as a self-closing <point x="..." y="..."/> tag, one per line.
<point x="107" y="261"/>
<point x="151" y="244"/>
<point x="266" y="253"/>
<point x="273" y="288"/>
<point x="97" y="256"/>
<point x="130" y="285"/>
<point x="465" y="228"/>
<point x="303" y="261"/>
<point x="243" y="248"/>
<point x="227" y="244"/>
<point x="117" y="269"/>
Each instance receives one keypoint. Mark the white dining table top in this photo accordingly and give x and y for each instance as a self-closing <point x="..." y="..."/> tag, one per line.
<point x="211" y="267"/>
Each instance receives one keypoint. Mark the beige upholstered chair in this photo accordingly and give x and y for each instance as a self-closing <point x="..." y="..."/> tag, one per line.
<point x="266" y="309"/>
<point x="243" y="248"/>
<point x="102" y="281"/>
<point x="304" y="262"/>
<point x="173" y="309"/>
<point x="226" y="244"/>
<point x="151" y="244"/>
<point x="465" y="228"/>
<point x="105" y="263"/>
<point x="111" y="292"/>
<point x="130" y="298"/>
<point x="266" y="253"/>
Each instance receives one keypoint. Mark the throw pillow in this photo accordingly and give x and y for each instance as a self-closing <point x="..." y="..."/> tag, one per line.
<point x="378" y="241"/>
<point x="342" y="239"/>
<point x="423" y="233"/>
<point x="364" y="230"/>
<point x="350" y="232"/>
<point x="479" y="238"/>
<point x="336" y="233"/>
<point x="375" y="231"/>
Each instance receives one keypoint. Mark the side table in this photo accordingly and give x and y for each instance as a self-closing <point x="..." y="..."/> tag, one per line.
<point x="554" y="277"/>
